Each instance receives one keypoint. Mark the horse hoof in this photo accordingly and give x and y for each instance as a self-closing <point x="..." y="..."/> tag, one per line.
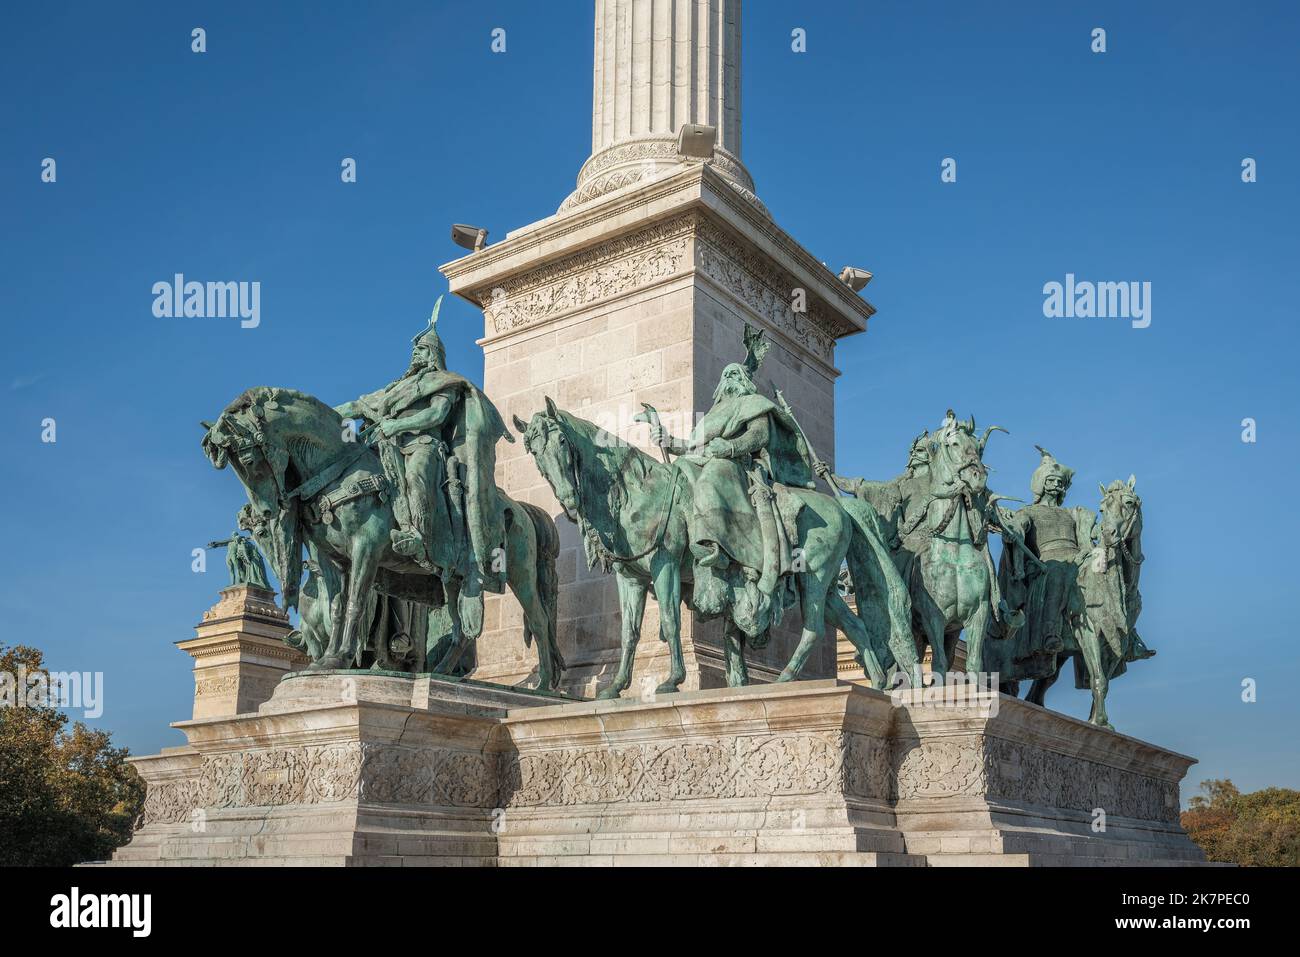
<point x="609" y="694"/>
<point x="668" y="687"/>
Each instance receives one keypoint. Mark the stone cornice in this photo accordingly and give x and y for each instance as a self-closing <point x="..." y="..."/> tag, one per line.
<point x="596" y="224"/>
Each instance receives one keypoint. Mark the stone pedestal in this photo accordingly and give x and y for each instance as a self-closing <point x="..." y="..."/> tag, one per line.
<point x="239" y="652"/>
<point x="357" y="769"/>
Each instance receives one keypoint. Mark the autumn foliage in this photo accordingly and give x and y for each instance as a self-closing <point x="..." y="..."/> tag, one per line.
<point x="1260" y="829"/>
<point x="66" y="795"/>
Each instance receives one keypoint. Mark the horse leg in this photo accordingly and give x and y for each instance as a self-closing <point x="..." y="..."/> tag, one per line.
<point x="361" y="578"/>
<point x="458" y="643"/>
<point x="734" y="651"/>
<point x="934" y="624"/>
<point x="1038" y="690"/>
<point x="814" y="621"/>
<point x="631" y="604"/>
<point x="977" y="629"/>
<point x="331" y="657"/>
<point x="522" y="568"/>
<point x="840" y="615"/>
<point x="666" y="573"/>
<point x="1090" y="648"/>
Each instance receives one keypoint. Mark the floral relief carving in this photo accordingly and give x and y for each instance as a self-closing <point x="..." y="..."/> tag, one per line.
<point x="609" y="270"/>
<point x="752" y="766"/>
<point x="170" y="802"/>
<point x="939" y="768"/>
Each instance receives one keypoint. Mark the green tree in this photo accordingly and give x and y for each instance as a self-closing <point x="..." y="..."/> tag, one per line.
<point x="66" y="796"/>
<point x="1260" y="829"/>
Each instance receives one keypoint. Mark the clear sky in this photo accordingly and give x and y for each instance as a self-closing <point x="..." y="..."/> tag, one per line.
<point x="1122" y="166"/>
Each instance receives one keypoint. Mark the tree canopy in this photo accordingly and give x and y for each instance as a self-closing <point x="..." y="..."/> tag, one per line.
<point x="66" y="795"/>
<point x="1259" y="829"/>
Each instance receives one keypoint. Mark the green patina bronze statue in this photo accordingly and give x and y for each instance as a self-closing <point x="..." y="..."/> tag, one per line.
<point x="409" y="512"/>
<point x="938" y="514"/>
<point x="717" y="525"/>
<point x="243" y="561"/>
<point x="1081" y="599"/>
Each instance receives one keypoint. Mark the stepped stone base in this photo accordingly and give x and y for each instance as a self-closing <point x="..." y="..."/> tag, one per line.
<point x="364" y="769"/>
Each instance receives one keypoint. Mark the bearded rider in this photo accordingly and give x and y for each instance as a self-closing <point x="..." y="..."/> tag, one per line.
<point x="1061" y="538"/>
<point x="743" y="445"/>
<point x="436" y="434"/>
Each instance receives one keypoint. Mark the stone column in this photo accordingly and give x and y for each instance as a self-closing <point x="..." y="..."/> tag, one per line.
<point x="239" y="652"/>
<point x="659" y="65"/>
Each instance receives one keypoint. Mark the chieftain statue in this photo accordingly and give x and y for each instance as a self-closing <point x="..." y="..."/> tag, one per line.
<point x="1046" y="590"/>
<point x="1080" y="599"/>
<point x="742" y="448"/>
<point x="716" y="526"/>
<point x="436" y="435"/>
<point x="410" y="513"/>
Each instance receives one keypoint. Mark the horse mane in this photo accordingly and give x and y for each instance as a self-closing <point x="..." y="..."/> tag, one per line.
<point x="260" y="393"/>
<point x="616" y="458"/>
<point x="608" y="447"/>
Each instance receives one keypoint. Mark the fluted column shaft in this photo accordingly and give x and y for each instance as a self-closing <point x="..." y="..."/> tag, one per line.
<point x="658" y="65"/>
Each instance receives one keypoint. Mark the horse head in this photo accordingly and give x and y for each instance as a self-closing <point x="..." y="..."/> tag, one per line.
<point x="239" y="439"/>
<point x="1121" y="516"/>
<point x="256" y="435"/>
<point x="547" y="439"/>
<point x="957" y="455"/>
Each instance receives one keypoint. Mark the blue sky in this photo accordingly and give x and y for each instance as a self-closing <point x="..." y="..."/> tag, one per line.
<point x="1122" y="166"/>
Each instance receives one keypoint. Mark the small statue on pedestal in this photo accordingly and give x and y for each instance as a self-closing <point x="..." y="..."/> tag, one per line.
<point x="244" y="561"/>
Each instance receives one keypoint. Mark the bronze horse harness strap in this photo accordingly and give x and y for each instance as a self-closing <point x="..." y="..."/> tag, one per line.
<point x="324" y="508"/>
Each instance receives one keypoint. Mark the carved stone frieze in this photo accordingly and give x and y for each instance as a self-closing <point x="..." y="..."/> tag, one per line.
<point x="612" y="269"/>
<point x="170" y="802"/>
<point x="1000" y="768"/>
<point x="732" y="767"/>
<point x="767" y="290"/>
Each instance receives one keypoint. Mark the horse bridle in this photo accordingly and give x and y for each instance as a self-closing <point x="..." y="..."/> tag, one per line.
<point x="1122" y="543"/>
<point x="607" y="556"/>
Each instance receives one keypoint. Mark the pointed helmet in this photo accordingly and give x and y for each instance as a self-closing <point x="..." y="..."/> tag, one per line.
<point x="430" y="339"/>
<point x="1046" y="468"/>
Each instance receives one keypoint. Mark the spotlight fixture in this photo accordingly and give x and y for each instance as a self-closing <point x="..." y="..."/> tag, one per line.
<point x="471" y="237"/>
<point x="695" y="141"/>
<point x="855" y="279"/>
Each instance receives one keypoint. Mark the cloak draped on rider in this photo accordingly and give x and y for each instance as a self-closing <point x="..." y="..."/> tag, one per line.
<point x="724" y="512"/>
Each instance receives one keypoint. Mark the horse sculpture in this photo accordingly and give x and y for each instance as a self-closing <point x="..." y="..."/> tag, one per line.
<point x="942" y="543"/>
<point x="311" y="484"/>
<point x="633" y="512"/>
<point x="1106" y="639"/>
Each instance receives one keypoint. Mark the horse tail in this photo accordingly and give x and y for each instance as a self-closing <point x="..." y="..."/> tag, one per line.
<point x="548" y="581"/>
<point x="883" y="600"/>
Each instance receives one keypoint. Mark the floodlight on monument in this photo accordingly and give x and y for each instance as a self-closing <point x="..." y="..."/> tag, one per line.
<point x="471" y="237"/>
<point x="855" y="279"/>
<point x="696" y="141"/>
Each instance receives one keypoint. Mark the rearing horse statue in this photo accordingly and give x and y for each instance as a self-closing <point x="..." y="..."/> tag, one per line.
<point x="311" y="484"/>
